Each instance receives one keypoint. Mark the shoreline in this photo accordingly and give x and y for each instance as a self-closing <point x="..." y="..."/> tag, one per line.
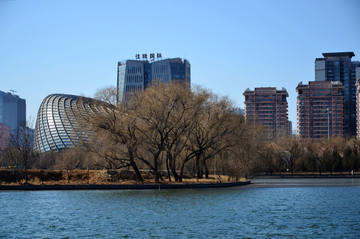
<point x="121" y="186"/>
<point x="304" y="176"/>
<point x="295" y="182"/>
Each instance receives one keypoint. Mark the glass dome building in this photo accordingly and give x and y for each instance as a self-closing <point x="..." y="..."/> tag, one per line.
<point x="59" y="120"/>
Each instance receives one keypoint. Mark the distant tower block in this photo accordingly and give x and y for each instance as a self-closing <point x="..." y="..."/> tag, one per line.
<point x="320" y="109"/>
<point x="268" y="107"/>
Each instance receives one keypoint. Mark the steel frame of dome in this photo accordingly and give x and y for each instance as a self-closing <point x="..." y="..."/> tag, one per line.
<point x="58" y="123"/>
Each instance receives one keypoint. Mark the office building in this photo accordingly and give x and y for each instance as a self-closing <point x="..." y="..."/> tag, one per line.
<point x="136" y="75"/>
<point x="320" y="109"/>
<point x="12" y="110"/>
<point x="4" y="136"/>
<point x="339" y="67"/>
<point x="268" y="107"/>
<point x="60" y="121"/>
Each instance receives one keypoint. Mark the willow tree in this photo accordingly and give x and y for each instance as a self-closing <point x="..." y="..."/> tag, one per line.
<point x="165" y="117"/>
<point x="333" y="148"/>
<point x="114" y="136"/>
<point x="168" y="125"/>
<point x="212" y="131"/>
<point x="351" y="160"/>
<point x="290" y="149"/>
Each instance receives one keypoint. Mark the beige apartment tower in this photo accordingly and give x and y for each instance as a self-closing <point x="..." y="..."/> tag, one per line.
<point x="268" y="107"/>
<point x="320" y="109"/>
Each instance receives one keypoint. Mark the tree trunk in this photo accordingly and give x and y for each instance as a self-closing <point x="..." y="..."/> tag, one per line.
<point x="206" y="171"/>
<point x="26" y="175"/>
<point x="197" y="167"/>
<point x="158" y="177"/>
<point x="173" y="169"/>
<point x="68" y="175"/>
<point x="182" y="171"/>
<point x="137" y="172"/>
<point x="167" y="168"/>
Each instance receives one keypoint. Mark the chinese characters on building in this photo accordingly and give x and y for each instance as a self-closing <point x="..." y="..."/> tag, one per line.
<point x="152" y="56"/>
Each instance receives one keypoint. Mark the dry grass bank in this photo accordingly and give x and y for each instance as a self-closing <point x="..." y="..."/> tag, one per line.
<point x="98" y="177"/>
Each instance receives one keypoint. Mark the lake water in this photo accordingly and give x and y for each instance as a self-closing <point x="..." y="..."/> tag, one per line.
<point x="268" y="209"/>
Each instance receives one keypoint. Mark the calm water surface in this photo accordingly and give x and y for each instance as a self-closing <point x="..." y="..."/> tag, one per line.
<point x="243" y="212"/>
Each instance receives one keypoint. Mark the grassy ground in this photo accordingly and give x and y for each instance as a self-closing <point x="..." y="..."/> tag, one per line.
<point x="76" y="177"/>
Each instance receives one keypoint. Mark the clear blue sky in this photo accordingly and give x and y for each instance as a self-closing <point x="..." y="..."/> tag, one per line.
<point x="73" y="46"/>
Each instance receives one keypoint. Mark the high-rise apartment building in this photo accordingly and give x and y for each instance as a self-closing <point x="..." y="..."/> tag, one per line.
<point x="339" y="67"/>
<point x="358" y="107"/>
<point x="136" y="75"/>
<point x="268" y="107"/>
<point x="320" y="109"/>
<point x="12" y="110"/>
<point x="290" y="127"/>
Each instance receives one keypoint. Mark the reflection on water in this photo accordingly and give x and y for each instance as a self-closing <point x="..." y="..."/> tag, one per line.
<point x="299" y="212"/>
<point x="306" y="182"/>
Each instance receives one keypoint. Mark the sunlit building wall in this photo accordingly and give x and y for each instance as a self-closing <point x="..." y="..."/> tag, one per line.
<point x="268" y="107"/>
<point x="320" y="109"/>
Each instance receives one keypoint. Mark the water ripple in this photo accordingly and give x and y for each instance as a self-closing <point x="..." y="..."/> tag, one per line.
<point x="224" y="213"/>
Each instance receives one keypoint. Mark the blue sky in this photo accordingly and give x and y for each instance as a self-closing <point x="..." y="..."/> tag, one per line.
<point x="73" y="46"/>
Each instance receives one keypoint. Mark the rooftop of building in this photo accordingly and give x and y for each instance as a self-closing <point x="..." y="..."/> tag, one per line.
<point x="10" y="95"/>
<point x="272" y="90"/>
<point x="320" y="83"/>
<point x="172" y="60"/>
<point x="339" y="54"/>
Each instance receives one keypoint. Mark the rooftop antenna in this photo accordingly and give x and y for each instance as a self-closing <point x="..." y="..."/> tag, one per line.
<point x="13" y="91"/>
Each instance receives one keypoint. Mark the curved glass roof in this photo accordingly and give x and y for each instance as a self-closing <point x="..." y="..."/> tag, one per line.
<point x="59" y="121"/>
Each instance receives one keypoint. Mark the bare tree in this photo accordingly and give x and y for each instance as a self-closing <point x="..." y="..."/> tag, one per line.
<point x="290" y="150"/>
<point x="316" y="150"/>
<point x="21" y="147"/>
<point x="332" y="150"/>
<point x="268" y="158"/>
<point x="165" y="117"/>
<point x="71" y="159"/>
<point x="115" y="136"/>
<point x="248" y="149"/>
<point x="351" y="159"/>
<point x="212" y="129"/>
<point x="167" y="126"/>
